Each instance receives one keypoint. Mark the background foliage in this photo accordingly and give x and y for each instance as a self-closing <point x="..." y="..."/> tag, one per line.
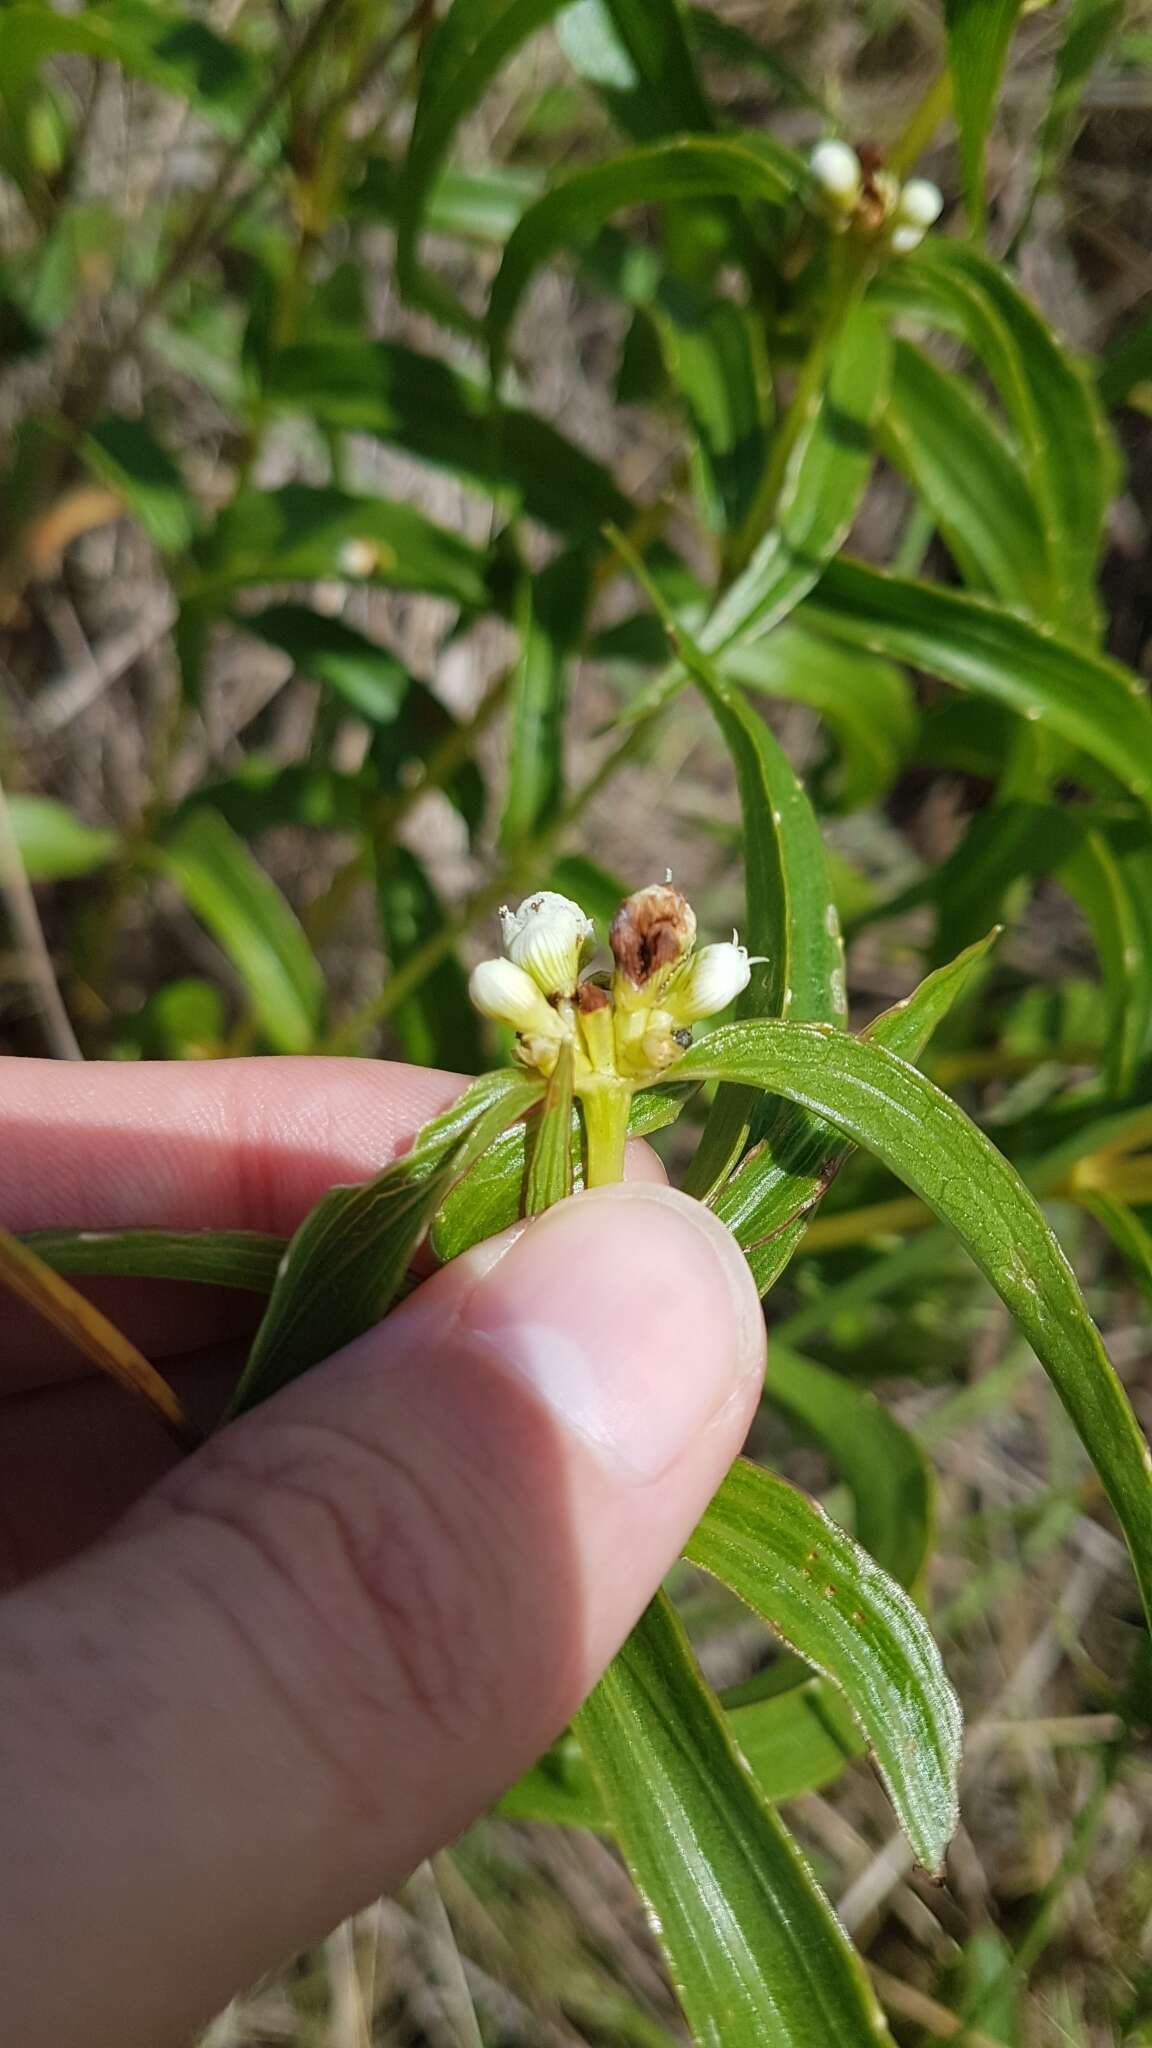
<point x="443" y="446"/>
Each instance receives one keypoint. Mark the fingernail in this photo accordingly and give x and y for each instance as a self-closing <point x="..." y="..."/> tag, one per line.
<point x="632" y="1314"/>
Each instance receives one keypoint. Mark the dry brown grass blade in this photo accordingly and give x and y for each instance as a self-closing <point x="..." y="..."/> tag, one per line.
<point x="67" y="1310"/>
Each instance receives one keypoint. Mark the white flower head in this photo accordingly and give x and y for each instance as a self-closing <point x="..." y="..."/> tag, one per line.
<point x="920" y="204"/>
<point x="503" y="991"/>
<point x="836" y="169"/>
<point x="716" y="976"/>
<point x="547" y="937"/>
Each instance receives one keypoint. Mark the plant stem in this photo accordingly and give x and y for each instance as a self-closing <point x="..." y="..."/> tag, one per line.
<point x="604" y="1106"/>
<point x="922" y="125"/>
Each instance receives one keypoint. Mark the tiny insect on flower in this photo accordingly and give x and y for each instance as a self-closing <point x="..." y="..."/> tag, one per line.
<point x="547" y="936"/>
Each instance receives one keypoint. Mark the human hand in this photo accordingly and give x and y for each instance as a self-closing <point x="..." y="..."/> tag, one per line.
<point x="242" y="1694"/>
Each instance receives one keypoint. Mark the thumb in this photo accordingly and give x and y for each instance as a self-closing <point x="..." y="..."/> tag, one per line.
<point x="333" y="1636"/>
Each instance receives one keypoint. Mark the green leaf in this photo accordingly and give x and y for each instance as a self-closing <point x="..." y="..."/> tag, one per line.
<point x="973" y="643"/>
<point x="444" y="417"/>
<point x="769" y="1199"/>
<point x="979" y="32"/>
<point x="347" y="1261"/>
<point x="744" y="167"/>
<point x="1089" y="28"/>
<point x="936" y="431"/>
<point x="655" y="35"/>
<point x="1112" y="886"/>
<point x="823" y="1594"/>
<point x="714" y="36"/>
<point x="1065" y="445"/>
<point x="819" y="496"/>
<point x="766" y="1961"/>
<point x="126" y="455"/>
<point x="1131" y="1237"/>
<point x="175" y="51"/>
<point x="491" y="1196"/>
<point x="865" y="702"/>
<point x="714" y="356"/>
<point x="1125" y="372"/>
<point x="436" y="1026"/>
<point x="299" y="532"/>
<point x="370" y="678"/>
<point x="550" y="1175"/>
<point x="247" y="1259"/>
<point x="881" y="1462"/>
<point x="878" y="1101"/>
<point x="54" y="843"/>
<point x="550" y="618"/>
<point x="481" y="205"/>
<point x="250" y="919"/>
<point x="598" y="893"/>
<point x="469" y="46"/>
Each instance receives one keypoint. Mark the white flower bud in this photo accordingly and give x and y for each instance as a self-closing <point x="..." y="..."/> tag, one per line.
<point x="920" y="203"/>
<point x="547" y="937"/>
<point x="836" y="169"/>
<point x="358" y="557"/>
<point x="716" y="976"/>
<point x="499" y="989"/>
<point x="905" y="239"/>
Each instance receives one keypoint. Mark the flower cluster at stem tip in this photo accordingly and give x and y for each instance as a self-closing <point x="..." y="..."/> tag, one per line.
<point x="626" y="1025"/>
<point x="859" y="193"/>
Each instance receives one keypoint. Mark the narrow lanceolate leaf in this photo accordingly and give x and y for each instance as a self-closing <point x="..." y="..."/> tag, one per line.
<point x="819" y="495"/>
<point x="714" y="355"/>
<point x="300" y="532"/>
<point x="1085" y="698"/>
<point x="247" y="1259"/>
<point x="54" y="843"/>
<point x="880" y="1461"/>
<point x="126" y="455"/>
<point x="252" y="921"/>
<point x="865" y="702"/>
<point x="768" y="1202"/>
<point x="436" y="412"/>
<point x="550" y="1141"/>
<point x="655" y="35"/>
<point x="823" y="1594"/>
<point x="469" y="46"/>
<point x="936" y="431"/>
<point x="181" y="54"/>
<point x="550" y="616"/>
<point x="979" y="32"/>
<point x="436" y="1026"/>
<point x="569" y="216"/>
<point x="1112" y="887"/>
<point x="24" y="1273"/>
<point x="490" y="1197"/>
<point x="1131" y="1237"/>
<point x="1065" y="445"/>
<point x="766" y="1960"/>
<point x="344" y="1267"/>
<point x="879" y="1102"/>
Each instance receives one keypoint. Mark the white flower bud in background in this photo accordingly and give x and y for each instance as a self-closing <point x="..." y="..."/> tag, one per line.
<point x="358" y="557"/>
<point x="836" y="169"/>
<point x="717" y="975"/>
<point x="504" y="992"/>
<point x="920" y="204"/>
<point x="547" y="936"/>
<point x="905" y="239"/>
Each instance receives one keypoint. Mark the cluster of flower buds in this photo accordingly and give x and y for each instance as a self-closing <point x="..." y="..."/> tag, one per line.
<point x="859" y="193"/>
<point x="628" y="1023"/>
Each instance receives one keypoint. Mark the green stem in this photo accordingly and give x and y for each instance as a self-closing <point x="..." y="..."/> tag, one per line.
<point x="604" y="1106"/>
<point x="922" y="125"/>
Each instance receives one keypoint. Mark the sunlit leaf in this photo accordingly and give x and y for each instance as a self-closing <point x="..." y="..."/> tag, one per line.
<point x="345" y="1265"/>
<point x="882" y="1103"/>
<point x="247" y="1259"/>
<point x="766" y="1960"/>
<point x="550" y="617"/>
<point x="828" y="1599"/>
<point x="54" y="843"/>
<point x="251" y="920"/>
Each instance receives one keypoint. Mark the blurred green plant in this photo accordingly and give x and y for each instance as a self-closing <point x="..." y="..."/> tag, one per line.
<point x="794" y="322"/>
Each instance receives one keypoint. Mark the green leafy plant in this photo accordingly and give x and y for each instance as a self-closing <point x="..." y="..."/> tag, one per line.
<point x="799" y="331"/>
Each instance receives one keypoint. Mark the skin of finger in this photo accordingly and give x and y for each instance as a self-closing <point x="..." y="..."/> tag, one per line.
<point x="76" y="1453"/>
<point x="302" y="1664"/>
<point x="224" y="1145"/>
